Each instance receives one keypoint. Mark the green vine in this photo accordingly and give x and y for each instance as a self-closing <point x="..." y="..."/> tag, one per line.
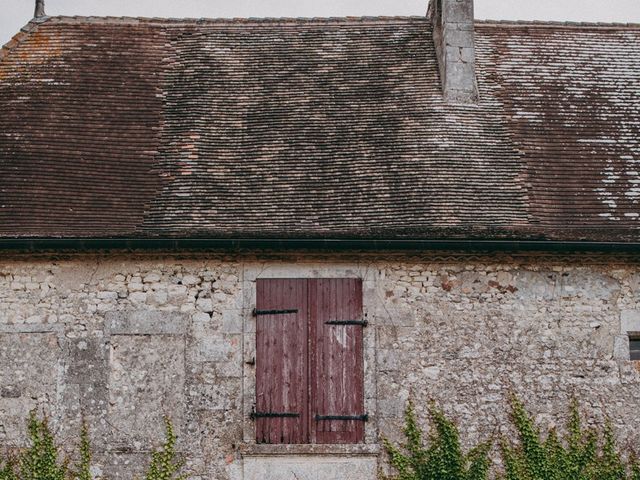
<point x="41" y="459"/>
<point x="576" y="453"/>
<point x="442" y="458"/>
<point x="84" y="467"/>
<point x="164" y="464"/>
<point x="8" y="470"/>
<point x="579" y="455"/>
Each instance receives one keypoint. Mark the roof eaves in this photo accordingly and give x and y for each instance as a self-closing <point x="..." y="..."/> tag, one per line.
<point x="191" y="244"/>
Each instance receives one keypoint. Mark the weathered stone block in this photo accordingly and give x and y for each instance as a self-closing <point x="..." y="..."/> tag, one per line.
<point x="223" y="395"/>
<point x="205" y="305"/>
<point x="621" y="347"/>
<point x="629" y="321"/>
<point x="310" y="467"/>
<point x="146" y="381"/>
<point x="457" y="11"/>
<point x="532" y="285"/>
<point x="211" y="346"/>
<point x="232" y="321"/>
<point x="121" y="465"/>
<point x="29" y="375"/>
<point x="145" y="322"/>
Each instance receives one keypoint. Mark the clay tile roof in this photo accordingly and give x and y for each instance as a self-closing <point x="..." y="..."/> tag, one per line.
<point x="317" y="128"/>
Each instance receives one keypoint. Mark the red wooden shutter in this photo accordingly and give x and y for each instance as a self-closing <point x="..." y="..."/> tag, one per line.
<point x="336" y="365"/>
<point x="281" y="361"/>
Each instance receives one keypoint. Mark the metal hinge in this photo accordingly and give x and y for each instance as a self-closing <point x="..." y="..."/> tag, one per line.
<point x="255" y="415"/>
<point x="273" y="312"/>
<point x="362" y="323"/>
<point x="363" y="418"/>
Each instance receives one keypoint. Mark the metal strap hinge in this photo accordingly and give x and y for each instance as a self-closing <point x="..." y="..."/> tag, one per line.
<point x="363" y="418"/>
<point x="255" y="415"/>
<point x="361" y="323"/>
<point x="273" y="312"/>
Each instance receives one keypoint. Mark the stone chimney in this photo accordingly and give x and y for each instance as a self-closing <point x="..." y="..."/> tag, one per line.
<point x="39" y="9"/>
<point x="453" y="35"/>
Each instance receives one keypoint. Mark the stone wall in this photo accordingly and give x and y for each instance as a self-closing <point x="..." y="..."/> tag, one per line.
<point x="123" y="339"/>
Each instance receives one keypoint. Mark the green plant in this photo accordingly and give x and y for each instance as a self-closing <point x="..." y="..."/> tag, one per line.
<point x="635" y="467"/>
<point x="579" y="455"/>
<point x="164" y="463"/>
<point x="8" y="470"/>
<point x="40" y="460"/>
<point x="442" y="458"/>
<point x="610" y="465"/>
<point x="84" y="466"/>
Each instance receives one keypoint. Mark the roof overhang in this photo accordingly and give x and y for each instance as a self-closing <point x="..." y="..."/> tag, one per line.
<point x="59" y="245"/>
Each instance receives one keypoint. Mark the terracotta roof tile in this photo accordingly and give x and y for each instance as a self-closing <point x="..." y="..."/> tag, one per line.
<point x="316" y="128"/>
<point x="572" y="107"/>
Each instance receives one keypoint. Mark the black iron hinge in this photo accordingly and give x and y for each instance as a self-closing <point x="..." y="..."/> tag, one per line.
<point x="255" y="415"/>
<point x="273" y="312"/>
<point x="362" y="323"/>
<point x="363" y="418"/>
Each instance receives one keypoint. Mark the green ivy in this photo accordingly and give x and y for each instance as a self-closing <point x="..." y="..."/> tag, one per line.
<point x="579" y="455"/>
<point x="8" y="470"/>
<point x="442" y="458"/>
<point x="164" y="463"/>
<point x="40" y="460"/>
<point x="575" y="453"/>
<point x="635" y="467"/>
<point x="84" y="466"/>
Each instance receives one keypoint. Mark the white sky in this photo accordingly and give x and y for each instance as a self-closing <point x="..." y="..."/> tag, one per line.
<point x="15" y="13"/>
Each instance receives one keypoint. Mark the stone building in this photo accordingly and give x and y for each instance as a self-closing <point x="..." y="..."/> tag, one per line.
<point x="276" y="231"/>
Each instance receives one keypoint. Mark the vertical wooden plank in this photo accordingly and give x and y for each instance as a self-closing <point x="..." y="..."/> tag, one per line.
<point x="337" y="373"/>
<point x="281" y="361"/>
<point x="314" y="343"/>
<point x="279" y="369"/>
<point x="319" y="293"/>
<point x="303" y="336"/>
<point x="357" y="397"/>
<point x="333" y="355"/>
<point x="343" y="334"/>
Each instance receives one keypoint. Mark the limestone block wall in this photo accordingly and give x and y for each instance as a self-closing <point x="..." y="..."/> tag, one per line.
<point x="123" y="339"/>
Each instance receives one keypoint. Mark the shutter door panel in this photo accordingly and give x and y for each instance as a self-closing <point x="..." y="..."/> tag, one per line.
<point x="281" y="361"/>
<point x="336" y="373"/>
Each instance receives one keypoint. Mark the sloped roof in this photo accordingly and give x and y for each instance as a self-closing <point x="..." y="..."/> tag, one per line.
<point x="320" y="128"/>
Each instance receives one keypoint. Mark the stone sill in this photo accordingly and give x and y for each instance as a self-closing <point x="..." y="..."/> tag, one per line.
<point x="269" y="450"/>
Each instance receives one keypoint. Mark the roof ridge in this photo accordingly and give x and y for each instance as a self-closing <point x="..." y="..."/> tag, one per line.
<point x="234" y="20"/>
<point x="555" y="23"/>
<point x="382" y="19"/>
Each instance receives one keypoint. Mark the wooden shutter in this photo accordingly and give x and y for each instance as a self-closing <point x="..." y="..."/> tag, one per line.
<point x="281" y="361"/>
<point x="336" y="360"/>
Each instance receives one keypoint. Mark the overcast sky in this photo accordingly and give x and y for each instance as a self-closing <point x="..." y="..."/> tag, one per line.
<point x="15" y="13"/>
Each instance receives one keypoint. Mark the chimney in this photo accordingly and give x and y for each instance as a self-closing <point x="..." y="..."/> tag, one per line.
<point x="453" y="35"/>
<point x="39" y="9"/>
